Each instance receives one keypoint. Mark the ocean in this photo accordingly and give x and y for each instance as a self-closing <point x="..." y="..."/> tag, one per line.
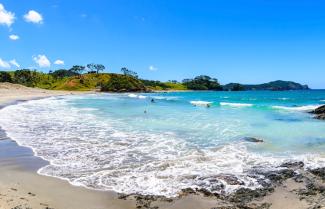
<point x="129" y="144"/>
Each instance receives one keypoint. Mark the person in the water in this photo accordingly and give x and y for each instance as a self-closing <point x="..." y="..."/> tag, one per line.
<point x="152" y="100"/>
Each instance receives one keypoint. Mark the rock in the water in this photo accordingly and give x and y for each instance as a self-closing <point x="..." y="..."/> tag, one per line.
<point x="319" y="112"/>
<point x="320" y="116"/>
<point x="252" y="139"/>
<point x="319" y="172"/>
<point x="294" y="164"/>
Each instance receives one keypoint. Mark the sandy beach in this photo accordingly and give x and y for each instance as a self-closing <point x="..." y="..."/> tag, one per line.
<point x="21" y="187"/>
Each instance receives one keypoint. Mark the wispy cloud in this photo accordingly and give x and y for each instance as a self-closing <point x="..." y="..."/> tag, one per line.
<point x="14" y="37"/>
<point x="4" y="64"/>
<point x="6" y="17"/>
<point x="8" y="64"/>
<point x="42" y="61"/>
<point x="33" y="17"/>
<point x="14" y="63"/>
<point x="59" y="62"/>
<point x="152" y="68"/>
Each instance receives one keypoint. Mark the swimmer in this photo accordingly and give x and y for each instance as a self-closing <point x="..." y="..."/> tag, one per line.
<point x="152" y="100"/>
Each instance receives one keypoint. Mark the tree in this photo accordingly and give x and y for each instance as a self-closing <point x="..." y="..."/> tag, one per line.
<point x="128" y="72"/>
<point x="77" y="69"/>
<point x="24" y="77"/>
<point x="5" y="77"/>
<point x="122" y="83"/>
<point x="61" y="73"/>
<point x="95" y="67"/>
<point x="202" y="82"/>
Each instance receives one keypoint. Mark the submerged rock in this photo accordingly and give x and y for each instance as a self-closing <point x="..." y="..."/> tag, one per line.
<point x="252" y="139"/>
<point x="320" y="116"/>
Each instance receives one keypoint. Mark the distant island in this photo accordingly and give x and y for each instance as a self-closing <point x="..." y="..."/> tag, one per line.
<point x="91" y="77"/>
<point x="272" y="86"/>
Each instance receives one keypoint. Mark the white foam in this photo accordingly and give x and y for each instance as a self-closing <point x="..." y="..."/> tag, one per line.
<point x="137" y="96"/>
<point x="305" y="108"/>
<point x="200" y="103"/>
<point x="165" y="97"/>
<point x="235" y="104"/>
<point x="132" y="95"/>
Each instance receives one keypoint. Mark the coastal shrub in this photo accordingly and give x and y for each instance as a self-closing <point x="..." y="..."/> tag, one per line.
<point x="61" y="73"/>
<point x="24" y="77"/>
<point x="5" y="77"/>
<point x="202" y="82"/>
<point x="155" y="85"/>
<point x="123" y="83"/>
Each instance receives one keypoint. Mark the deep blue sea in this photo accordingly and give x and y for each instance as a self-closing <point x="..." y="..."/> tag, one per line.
<point x="127" y="143"/>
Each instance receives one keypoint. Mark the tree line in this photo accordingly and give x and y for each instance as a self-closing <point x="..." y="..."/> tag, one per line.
<point x="127" y="79"/>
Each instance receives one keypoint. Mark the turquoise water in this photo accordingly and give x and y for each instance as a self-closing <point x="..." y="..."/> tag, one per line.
<point x="126" y="143"/>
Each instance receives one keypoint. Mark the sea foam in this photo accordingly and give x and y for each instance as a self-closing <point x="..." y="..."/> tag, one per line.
<point x="305" y="108"/>
<point x="200" y="103"/>
<point x="235" y="104"/>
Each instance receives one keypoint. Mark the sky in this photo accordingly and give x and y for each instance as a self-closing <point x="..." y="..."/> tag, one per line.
<point x="241" y="41"/>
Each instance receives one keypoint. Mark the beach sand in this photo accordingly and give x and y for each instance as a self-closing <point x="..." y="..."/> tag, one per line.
<point x="22" y="188"/>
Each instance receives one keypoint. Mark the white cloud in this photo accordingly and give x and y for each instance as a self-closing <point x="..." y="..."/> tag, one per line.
<point x="4" y="64"/>
<point x="14" y="37"/>
<point x="6" y="17"/>
<point x="33" y="17"/>
<point x="152" y="68"/>
<point x="14" y="63"/>
<point x="42" y="61"/>
<point x="59" y="62"/>
<point x="8" y="64"/>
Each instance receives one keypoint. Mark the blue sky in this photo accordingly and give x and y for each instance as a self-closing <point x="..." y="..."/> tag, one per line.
<point x="233" y="40"/>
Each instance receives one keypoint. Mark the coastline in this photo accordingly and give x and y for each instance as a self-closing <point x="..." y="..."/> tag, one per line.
<point x="21" y="186"/>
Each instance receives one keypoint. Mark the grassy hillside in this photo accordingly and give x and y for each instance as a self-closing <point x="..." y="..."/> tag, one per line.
<point x="63" y="80"/>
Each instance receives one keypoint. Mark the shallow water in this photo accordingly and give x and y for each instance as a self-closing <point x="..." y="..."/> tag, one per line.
<point x="126" y="143"/>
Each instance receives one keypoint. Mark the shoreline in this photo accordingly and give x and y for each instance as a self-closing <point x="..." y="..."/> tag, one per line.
<point x="20" y="184"/>
<point x="22" y="187"/>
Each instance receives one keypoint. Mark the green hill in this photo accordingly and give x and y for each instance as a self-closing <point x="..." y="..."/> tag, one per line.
<point x="272" y="86"/>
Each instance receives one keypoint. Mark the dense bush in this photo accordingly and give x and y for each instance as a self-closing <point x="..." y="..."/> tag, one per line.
<point x="5" y="76"/>
<point x="25" y="77"/>
<point x="123" y="83"/>
<point x="202" y="82"/>
<point x="63" y="73"/>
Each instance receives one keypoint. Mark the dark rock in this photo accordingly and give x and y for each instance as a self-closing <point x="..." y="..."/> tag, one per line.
<point x="319" y="110"/>
<point x="320" y="172"/>
<point x="205" y="192"/>
<point x="297" y="164"/>
<point x="187" y="191"/>
<point x="230" y="179"/>
<point x="252" y="139"/>
<point x="279" y="176"/>
<point x="245" y="195"/>
<point x="320" y="116"/>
